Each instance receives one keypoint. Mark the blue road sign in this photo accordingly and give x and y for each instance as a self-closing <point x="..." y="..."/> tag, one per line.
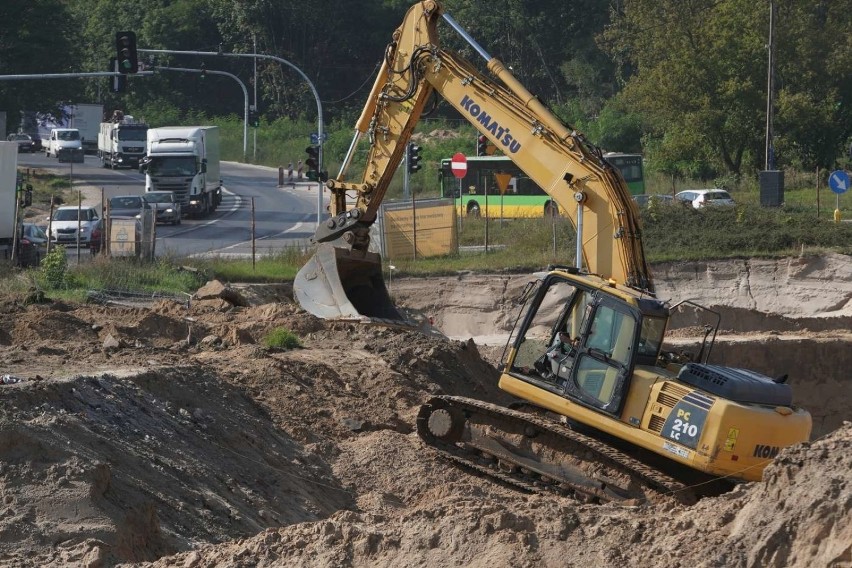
<point x="838" y="181"/>
<point x="315" y="137"/>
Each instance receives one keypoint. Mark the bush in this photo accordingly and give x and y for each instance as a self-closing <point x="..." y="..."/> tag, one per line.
<point x="54" y="267"/>
<point x="281" y="338"/>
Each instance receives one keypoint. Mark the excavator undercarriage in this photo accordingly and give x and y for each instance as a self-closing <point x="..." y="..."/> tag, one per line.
<point x="536" y="454"/>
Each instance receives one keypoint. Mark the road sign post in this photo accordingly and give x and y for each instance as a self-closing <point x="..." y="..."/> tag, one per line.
<point x="838" y="181"/>
<point x="503" y="180"/>
<point x="458" y="165"/>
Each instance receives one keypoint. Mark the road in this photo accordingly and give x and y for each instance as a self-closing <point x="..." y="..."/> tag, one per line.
<point x="284" y="217"/>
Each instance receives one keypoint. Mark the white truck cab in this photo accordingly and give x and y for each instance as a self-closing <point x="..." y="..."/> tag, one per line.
<point x="62" y="142"/>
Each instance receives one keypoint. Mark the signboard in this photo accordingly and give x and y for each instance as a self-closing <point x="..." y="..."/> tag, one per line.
<point x="122" y="237"/>
<point x="436" y="235"/>
<point x="503" y="181"/>
<point x="315" y="137"/>
<point x="459" y="165"/>
<point x="838" y="181"/>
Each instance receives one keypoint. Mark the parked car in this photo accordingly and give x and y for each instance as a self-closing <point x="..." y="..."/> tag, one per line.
<point x="98" y="239"/>
<point x="35" y="235"/>
<point x="64" y="225"/>
<point x="33" y="245"/>
<point x="647" y="198"/>
<point x="127" y="206"/>
<point x="166" y="204"/>
<point x="699" y="198"/>
<point x="25" y="142"/>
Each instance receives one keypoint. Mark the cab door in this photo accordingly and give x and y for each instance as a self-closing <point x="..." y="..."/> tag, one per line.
<point x="605" y="357"/>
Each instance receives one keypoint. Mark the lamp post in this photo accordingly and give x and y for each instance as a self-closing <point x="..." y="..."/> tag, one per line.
<point x="770" y="86"/>
<point x="235" y="78"/>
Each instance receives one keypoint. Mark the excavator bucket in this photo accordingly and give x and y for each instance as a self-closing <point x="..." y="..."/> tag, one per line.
<point x="338" y="283"/>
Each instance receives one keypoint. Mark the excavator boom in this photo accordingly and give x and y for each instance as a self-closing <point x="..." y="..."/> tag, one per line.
<point x="555" y="156"/>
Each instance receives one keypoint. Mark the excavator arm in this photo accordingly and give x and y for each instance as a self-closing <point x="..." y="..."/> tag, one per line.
<point x="345" y="280"/>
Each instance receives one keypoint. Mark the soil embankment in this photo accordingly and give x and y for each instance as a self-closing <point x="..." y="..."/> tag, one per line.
<point x="166" y="436"/>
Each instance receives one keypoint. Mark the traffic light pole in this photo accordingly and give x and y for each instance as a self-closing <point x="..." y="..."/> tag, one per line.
<point x="279" y="60"/>
<point x="406" y="176"/>
<point x="69" y="75"/>
<point x="232" y="76"/>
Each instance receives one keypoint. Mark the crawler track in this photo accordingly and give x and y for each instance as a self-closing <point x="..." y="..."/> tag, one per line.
<point x="537" y="455"/>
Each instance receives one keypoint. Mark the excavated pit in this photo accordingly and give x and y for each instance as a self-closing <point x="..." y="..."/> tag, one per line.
<point x="167" y="436"/>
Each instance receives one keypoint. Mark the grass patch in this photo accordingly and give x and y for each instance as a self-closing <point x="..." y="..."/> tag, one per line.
<point x="277" y="267"/>
<point x="281" y="338"/>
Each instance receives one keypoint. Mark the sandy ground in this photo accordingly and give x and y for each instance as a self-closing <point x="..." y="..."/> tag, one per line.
<point x="168" y="436"/>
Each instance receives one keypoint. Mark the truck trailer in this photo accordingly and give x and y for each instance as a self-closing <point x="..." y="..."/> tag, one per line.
<point x="185" y="160"/>
<point x="8" y="190"/>
<point x="121" y="142"/>
<point x="87" y="119"/>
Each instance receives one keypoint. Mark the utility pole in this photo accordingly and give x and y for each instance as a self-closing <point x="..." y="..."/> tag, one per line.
<point x="254" y="131"/>
<point x="770" y="87"/>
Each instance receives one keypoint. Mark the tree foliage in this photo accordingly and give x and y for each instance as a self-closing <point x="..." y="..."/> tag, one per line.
<point x="26" y="47"/>
<point x="684" y="81"/>
<point x="702" y="72"/>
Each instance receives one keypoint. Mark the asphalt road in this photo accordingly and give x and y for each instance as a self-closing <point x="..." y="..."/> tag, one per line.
<point x="284" y="217"/>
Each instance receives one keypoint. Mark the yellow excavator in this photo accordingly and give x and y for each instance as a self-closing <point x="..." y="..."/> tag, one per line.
<point x="603" y="412"/>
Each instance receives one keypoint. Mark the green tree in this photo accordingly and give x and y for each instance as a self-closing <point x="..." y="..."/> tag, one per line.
<point x="37" y="37"/>
<point x="700" y="68"/>
<point x="814" y="83"/>
<point x="701" y="78"/>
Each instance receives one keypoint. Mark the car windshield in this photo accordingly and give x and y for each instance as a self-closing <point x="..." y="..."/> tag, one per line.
<point x="130" y="202"/>
<point x="717" y="195"/>
<point x="132" y="134"/>
<point x="68" y="135"/>
<point x="34" y="231"/>
<point x="172" y="166"/>
<point x="159" y="198"/>
<point x="21" y="137"/>
<point x="68" y="215"/>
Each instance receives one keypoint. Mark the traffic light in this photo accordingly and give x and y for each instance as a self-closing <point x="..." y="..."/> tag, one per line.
<point x="125" y="52"/>
<point x="254" y="118"/>
<point x="312" y="163"/>
<point x="413" y="158"/>
<point x="203" y="70"/>
<point x="481" y="146"/>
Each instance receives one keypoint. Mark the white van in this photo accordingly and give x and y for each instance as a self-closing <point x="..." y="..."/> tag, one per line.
<point x="63" y="140"/>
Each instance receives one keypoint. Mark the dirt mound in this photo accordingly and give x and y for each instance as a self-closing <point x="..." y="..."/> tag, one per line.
<point x="185" y="442"/>
<point x="801" y="515"/>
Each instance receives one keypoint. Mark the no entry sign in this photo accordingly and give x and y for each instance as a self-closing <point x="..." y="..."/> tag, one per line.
<point x="459" y="165"/>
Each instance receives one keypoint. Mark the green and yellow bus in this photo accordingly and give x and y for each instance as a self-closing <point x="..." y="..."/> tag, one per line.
<point x="481" y="196"/>
<point x="630" y="166"/>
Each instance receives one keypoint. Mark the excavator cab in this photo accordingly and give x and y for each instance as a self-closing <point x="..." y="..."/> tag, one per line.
<point x="581" y="341"/>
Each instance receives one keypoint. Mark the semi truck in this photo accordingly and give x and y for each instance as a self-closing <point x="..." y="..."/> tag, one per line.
<point x="13" y="247"/>
<point x="84" y="118"/>
<point x="8" y="188"/>
<point x="185" y="161"/>
<point x="122" y="141"/>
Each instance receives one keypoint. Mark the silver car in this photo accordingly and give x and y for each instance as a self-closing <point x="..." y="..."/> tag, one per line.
<point x="167" y="206"/>
<point x="699" y="198"/>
